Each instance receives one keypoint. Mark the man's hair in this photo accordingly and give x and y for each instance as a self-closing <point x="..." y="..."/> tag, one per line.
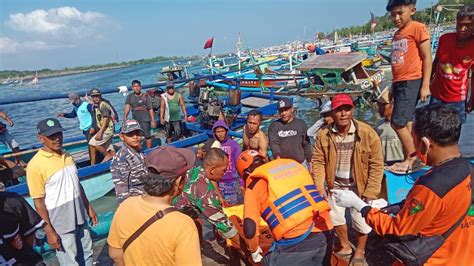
<point x="135" y="81"/>
<point x="255" y="113"/>
<point x="440" y="123"/>
<point x="214" y="155"/>
<point x="394" y="3"/>
<point x="156" y="185"/>
<point x="466" y="11"/>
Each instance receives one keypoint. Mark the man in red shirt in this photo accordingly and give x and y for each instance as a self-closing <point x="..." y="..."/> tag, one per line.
<point x="454" y="60"/>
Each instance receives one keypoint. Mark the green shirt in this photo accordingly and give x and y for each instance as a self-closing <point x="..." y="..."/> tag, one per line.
<point x="173" y="106"/>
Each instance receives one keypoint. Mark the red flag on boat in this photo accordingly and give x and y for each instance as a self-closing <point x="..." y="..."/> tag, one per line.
<point x="208" y="43"/>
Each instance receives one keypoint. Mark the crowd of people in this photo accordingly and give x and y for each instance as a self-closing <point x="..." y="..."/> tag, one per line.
<point x="301" y="181"/>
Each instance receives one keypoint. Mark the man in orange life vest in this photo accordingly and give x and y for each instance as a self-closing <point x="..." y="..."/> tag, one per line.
<point x="283" y="193"/>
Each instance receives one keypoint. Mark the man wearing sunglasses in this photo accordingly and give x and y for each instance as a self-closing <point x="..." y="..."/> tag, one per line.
<point x="128" y="165"/>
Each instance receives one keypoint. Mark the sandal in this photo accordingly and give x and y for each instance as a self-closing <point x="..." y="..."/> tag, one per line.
<point x="345" y="256"/>
<point x="358" y="262"/>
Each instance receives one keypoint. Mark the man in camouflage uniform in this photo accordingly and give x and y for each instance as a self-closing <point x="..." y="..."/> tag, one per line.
<point x="200" y="197"/>
<point x="128" y="165"/>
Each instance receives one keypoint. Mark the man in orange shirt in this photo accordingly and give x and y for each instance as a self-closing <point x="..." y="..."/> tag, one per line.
<point x="411" y="69"/>
<point x="438" y="199"/>
<point x="283" y="193"/>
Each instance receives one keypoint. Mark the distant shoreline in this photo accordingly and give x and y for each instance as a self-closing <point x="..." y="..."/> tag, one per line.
<point x="45" y="73"/>
<point x="71" y="72"/>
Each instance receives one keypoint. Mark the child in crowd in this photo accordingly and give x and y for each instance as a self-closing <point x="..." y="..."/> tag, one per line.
<point x="411" y="69"/>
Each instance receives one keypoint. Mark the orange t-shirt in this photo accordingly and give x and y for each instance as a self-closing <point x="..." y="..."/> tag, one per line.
<point x="435" y="203"/>
<point x="406" y="56"/>
<point x="255" y="202"/>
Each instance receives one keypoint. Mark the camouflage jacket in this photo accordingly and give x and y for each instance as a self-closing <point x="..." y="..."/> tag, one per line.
<point x="199" y="196"/>
<point x="127" y="169"/>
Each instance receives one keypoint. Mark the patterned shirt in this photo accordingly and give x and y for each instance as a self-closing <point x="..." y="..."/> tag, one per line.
<point x="127" y="169"/>
<point x="199" y="196"/>
<point x="345" y="149"/>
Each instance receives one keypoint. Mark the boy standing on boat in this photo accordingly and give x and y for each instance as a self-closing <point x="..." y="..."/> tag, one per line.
<point x="142" y="110"/>
<point x="411" y="70"/>
<point x="453" y="62"/>
<point x="347" y="155"/>
<point x="288" y="137"/>
<point x="440" y="200"/>
<point x="170" y="116"/>
<point x="59" y="197"/>
<point x="102" y="140"/>
<point x="254" y="138"/>
<point x="128" y="165"/>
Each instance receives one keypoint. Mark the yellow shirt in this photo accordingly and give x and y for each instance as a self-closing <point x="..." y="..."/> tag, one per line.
<point x="172" y="240"/>
<point x="54" y="177"/>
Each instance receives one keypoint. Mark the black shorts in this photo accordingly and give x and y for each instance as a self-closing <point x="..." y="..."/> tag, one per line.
<point x="146" y="127"/>
<point x="405" y="96"/>
<point x="173" y="130"/>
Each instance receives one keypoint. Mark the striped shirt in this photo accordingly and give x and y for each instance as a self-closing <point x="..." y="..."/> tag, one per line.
<point x="54" y="177"/>
<point x="345" y="149"/>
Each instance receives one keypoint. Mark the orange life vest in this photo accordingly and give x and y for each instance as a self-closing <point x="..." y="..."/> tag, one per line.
<point x="292" y="195"/>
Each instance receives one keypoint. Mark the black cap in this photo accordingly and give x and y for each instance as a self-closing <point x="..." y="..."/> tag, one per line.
<point x="94" y="92"/>
<point x="284" y="103"/>
<point x="49" y="126"/>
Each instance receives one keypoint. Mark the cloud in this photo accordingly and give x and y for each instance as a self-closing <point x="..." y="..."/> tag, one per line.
<point x="11" y="46"/>
<point x="57" y="21"/>
<point x="54" y="28"/>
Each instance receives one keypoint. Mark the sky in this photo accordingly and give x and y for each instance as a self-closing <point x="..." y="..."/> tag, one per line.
<point x="55" y="34"/>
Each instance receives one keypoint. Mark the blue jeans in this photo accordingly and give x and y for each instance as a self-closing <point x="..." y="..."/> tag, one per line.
<point x="76" y="247"/>
<point x="316" y="249"/>
<point x="458" y="106"/>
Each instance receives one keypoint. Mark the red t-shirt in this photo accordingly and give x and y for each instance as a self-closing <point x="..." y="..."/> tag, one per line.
<point x="451" y="77"/>
<point x="406" y="56"/>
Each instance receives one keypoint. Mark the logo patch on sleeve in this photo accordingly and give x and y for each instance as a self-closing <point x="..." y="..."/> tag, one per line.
<point x="415" y="207"/>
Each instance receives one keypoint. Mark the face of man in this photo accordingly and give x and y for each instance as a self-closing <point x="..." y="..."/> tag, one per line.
<point x="286" y="114"/>
<point x="220" y="133"/>
<point x="343" y="115"/>
<point x="170" y="90"/>
<point x="401" y="15"/>
<point x="96" y="99"/>
<point x="137" y="88"/>
<point x="253" y="123"/>
<point x="53" y="143"/>
<point x="132" y="139"/>
<point x="464" y="28"/>
<point x="218" y="170"/>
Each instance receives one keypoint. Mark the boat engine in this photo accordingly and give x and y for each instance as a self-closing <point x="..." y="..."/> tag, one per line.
<point x="210" y="108"/>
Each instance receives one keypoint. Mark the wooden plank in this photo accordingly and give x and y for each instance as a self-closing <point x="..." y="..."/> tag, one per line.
<point x="338" y="61"/>
<point x="255" y="102"/>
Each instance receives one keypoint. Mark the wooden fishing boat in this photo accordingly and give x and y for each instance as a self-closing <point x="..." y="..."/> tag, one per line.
<point x="332" y="74"/>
